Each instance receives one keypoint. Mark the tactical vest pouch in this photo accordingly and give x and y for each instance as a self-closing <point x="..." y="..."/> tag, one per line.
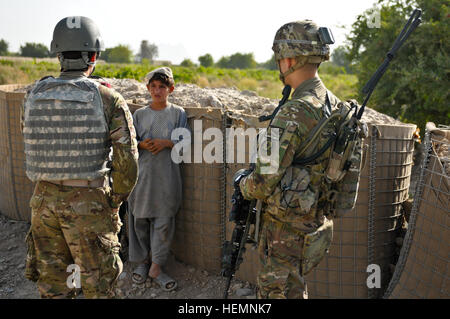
<point x="316" y="245"/>
<point x="76" y="94"/>
<point x="347" y="188"/>
<point x="295" y="193"/>
<point x="348" y="136"/>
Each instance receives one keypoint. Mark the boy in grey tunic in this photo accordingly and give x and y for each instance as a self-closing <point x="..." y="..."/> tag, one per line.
<point x="156" y="198"/>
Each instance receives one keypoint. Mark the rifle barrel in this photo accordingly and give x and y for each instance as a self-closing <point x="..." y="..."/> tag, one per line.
<point x="409" y="27"/>
<point x="227" y="287"/>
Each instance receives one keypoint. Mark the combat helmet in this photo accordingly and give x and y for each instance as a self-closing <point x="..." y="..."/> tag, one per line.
<point x="76" y="34"/>
<point x="303" y="40"/>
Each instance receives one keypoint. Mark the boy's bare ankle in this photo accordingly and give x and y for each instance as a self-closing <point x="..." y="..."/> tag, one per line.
<point x="155" y="270"/>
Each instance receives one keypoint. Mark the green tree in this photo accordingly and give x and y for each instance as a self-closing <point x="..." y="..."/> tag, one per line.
<point x="118" y="54"/>
<point x="187" y="63"/>
<point x="206" y="60"/>
<point x="270" y="64"/>
<point x="34" y="50"/>
<point x="340" y="57"/>
<point x="415" y="87"/>
<point x="148" y="51"/>
<point x="3" y="47"/>
<point x="237" y="61"/>
<point x="224" y="62"/>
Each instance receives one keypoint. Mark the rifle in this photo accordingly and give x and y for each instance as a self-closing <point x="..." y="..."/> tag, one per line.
<point x="243" y="214"/>
<point x="413" y="21"/>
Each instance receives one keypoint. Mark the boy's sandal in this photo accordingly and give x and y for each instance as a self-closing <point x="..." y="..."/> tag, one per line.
<point x="140" y="273"/>
<point x="165" y="282"/>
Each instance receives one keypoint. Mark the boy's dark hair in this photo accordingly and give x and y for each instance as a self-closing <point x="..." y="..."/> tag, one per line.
<point x="163" y="79"/>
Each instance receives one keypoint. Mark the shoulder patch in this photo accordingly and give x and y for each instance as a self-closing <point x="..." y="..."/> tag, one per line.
<point x="105" y="84"/>
<point x="100" y="80"/>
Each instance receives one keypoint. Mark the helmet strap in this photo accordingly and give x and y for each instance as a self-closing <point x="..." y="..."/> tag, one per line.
<point x="301" y="61"/>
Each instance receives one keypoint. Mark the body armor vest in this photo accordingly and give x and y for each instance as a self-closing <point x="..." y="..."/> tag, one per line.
<point x="65" y="131"/>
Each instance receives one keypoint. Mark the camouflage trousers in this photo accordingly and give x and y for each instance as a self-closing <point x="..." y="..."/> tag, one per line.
<point x="280" y="252"/>
<point x="287" y="255"/>
<point x="73" y="228"/>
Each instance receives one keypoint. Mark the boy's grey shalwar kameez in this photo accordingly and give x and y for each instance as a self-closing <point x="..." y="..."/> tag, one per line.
<point x="156" y="198"/>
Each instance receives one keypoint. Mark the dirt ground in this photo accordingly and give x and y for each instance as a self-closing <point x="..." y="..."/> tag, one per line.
<point x="192" y="283"/>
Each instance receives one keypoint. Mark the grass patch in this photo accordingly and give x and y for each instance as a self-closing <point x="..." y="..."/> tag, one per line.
<point x="263" y="82"/>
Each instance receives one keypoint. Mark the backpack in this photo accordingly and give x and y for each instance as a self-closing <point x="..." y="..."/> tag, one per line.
<point x="341" y="132"/>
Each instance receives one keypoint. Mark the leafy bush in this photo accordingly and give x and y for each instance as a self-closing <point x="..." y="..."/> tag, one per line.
<point x="118" y="54"/>
<point x="34" y="50"/>
<point x="3" y="47"/>
<point x="206" y="60"/>
<point x="187" y="63"/>
<point x="237" y="61"/>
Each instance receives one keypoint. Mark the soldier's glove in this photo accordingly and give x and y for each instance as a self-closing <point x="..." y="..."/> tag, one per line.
<point x="239" y="175"/>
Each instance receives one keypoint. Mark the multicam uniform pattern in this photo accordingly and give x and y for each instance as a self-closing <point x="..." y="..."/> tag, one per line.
<point x="79" y="225"/>
<point x="299" y="39"/>
<point x="296" y="232"/>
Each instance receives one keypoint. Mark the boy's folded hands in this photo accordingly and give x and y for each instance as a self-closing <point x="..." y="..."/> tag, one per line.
<point x="155" y="145"/>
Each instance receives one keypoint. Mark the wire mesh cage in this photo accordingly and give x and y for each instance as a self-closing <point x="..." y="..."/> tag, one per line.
<point x="15" y="187"/>
<point x="366" y="235"/>
<point x="199" y="224"/>
<point x="422" y="270"/>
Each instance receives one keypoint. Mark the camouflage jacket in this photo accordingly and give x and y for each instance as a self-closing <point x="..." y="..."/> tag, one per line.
<point x="291" y="193"/>
<point x="124" y="164"/>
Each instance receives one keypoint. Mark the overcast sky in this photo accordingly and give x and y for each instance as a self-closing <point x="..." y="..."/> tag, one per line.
<point x="180" y="28"/>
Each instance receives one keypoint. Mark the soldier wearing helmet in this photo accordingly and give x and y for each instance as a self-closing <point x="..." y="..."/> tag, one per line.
<point x="81" y="151"/>
<point x="297" y="229"/>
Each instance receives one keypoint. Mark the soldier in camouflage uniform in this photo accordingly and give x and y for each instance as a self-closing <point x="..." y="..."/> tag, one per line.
<point x="297" y="225"/>
<point x="70" y="124"/>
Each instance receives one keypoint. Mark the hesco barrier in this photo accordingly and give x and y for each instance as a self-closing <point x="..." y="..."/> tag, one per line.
<point x="422" y="270"/>
<point x="199" y="225"/>
<point x="363" y="237"/>
<point x="15" y="187"/>
<point x="366" y="235"/>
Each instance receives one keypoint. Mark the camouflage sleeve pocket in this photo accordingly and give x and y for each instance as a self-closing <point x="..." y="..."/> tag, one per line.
<point x="316" y="245"/>
<point x="36" y="201"/>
